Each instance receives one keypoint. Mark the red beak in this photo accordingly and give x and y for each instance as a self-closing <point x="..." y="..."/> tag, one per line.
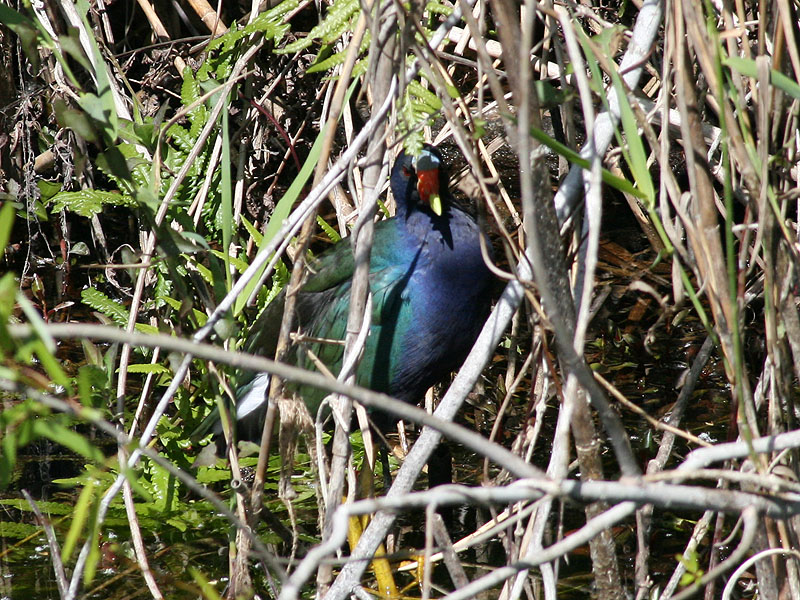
<point x="427" y="184"/>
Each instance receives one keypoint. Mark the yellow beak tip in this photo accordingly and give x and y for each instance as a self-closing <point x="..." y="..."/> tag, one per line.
<point x="436" y="204"/>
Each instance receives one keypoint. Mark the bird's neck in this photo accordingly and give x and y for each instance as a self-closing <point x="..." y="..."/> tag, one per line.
<point x="419" y="219"/>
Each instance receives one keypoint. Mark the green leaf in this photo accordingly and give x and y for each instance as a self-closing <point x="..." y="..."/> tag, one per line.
<point x="331" y="28"/>
<point x="88" y="203"/>
<point x="8" y="457"/>
<point x="747" y="67"/>
<point x="146" y="134"/>
<point x="79" y="249"/>
<point x="190" y="93"/>
<point x="633" y="149"/>
<point x="202" y="318"/>
<point x="196" y="241"/>
<point x="26" y="31"/>
<point x="100" y="302"/>
<point x="71" y="44"/>
<point x="18" y="531"/>
<point x="271" y="17"/>
<point x="254" y="233"/>
<point x="91" y="379"/>
<point x="175" y="304"/>
<point x="427" y="99"/>
<point x="164" y="488"/>
<point x="413" y="115"/>
<point x="76" y="120"/>
<point x="238" y="263"/>
<point x="114" y="162"/>
<point x="327" y="63"/>
<point x="437" y="8"/>
<point x="149" y="368"/>
<point x="608" y="178"/>
<point x="330" y="231"/>
<point x="211" y="475"/>
<point x="324" y="63"/>
<point x="146" y="328"/>
<point x="609" y="39"/>
<point x="90" y="569"/>
<point x="7" y="214"/>
<point x="103" y="114"/>
<point x="104" y="100"/>
<point x="48" y="189"/>
<point x="79" y="518"/>
<point x="49" y="508"/>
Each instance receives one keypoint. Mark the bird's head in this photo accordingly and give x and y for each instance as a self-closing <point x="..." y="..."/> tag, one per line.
<point x="419" y="179"/>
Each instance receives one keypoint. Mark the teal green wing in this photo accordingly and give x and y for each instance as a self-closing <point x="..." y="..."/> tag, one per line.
<point x="330" y="269"/>
<point x="336" y="265"/>
<point x="323" y="305"/>
<point x="328" y="327"/>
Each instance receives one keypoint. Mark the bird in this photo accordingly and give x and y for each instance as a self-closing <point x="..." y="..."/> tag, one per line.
<point x="431" y="293"/>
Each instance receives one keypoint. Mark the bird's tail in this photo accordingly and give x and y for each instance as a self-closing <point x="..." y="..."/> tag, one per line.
<point x="251" y="407"/>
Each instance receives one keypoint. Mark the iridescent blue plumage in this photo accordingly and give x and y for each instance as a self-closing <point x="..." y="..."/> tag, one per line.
<point x="430" y="287"/>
